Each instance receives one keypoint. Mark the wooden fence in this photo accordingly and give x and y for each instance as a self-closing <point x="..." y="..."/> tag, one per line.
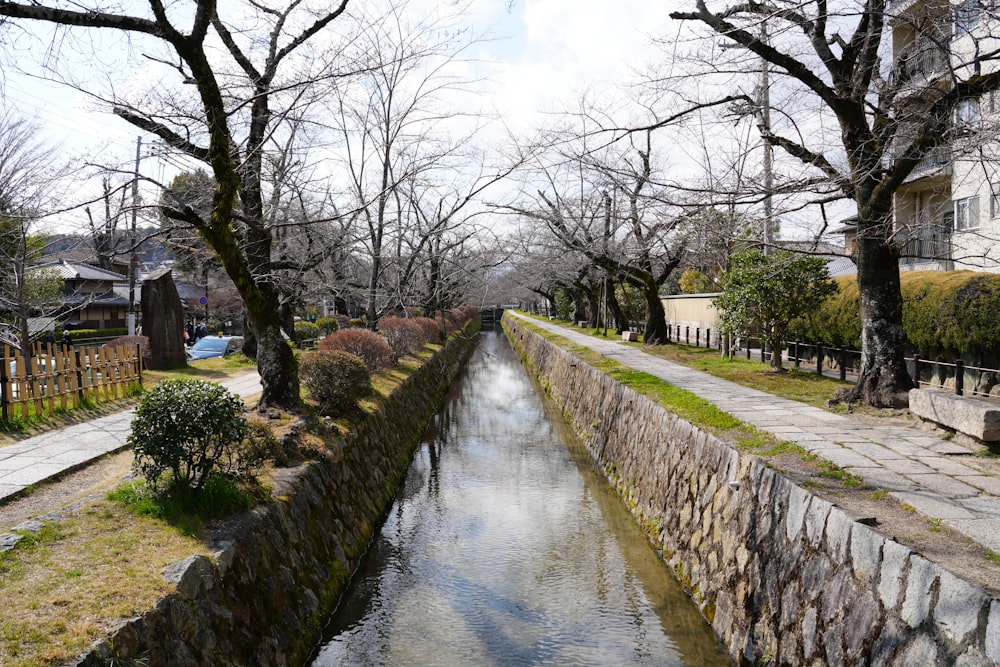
<point x="60" y="377"/>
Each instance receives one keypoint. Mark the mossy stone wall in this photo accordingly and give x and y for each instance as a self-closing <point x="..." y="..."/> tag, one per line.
<point x="784" y="577"/>
<point x="278" y="572"/>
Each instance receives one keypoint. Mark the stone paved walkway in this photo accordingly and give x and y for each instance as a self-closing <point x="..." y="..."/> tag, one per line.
<point x="50" y="454"/>
<point x="912" y="465"/>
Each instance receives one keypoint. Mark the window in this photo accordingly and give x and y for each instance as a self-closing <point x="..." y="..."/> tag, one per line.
<point x="967" y="213"/>
<point x="995" y="200"/>
<point x="967" y="14"/>
<point x="967" y="112"/>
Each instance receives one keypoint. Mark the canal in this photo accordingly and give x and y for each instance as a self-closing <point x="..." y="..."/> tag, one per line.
<point x="505" y="547"/>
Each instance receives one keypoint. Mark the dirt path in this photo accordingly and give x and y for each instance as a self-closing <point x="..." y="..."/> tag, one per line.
<point x="99" y="477"/>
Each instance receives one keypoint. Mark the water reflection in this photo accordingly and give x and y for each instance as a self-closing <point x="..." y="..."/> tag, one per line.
<point x="505" y="548"/>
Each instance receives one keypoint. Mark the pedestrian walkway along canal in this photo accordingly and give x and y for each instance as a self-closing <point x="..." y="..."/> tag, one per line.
<point x="505" y="547"/>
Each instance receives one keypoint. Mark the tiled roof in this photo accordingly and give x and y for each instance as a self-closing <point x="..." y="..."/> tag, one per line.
<point x="80" y="271"/>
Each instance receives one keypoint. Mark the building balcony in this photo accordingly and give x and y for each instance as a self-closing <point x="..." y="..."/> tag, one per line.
<point x="936" y="164"/>
<point x="927" y="245"/>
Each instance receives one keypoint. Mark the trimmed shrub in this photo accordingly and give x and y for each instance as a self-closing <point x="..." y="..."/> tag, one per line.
<point x="431" y="330"/>
<point x="402" y="334"/>
<point x="142" y="341"/>
<point x="356" y="323"/>
<point x="336" y="380"/>
<point x="189" y="428"/>
<point x="954" y="310"/>
<point x="370" y="347"/>
<point x="94" y="333"/>
<point x="469" y="312"/>
<point x="327" y="325"/>
<point x="305" y="330"/>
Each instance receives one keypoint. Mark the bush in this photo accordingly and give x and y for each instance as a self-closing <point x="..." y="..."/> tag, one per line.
<point x="84" y="334"/>
<point x="327" y="325"/>
<point x="370" y="347"/>
<point x="305" y="330"/>
<point x="402" y="334"/>
<point x="142" y="341"/>
<point x="430" y="329"/>
<point x="190" y="429"/>
<point x="448" y="321"/>
<point x="956" y="311"/>
<point x="336" y="380"/>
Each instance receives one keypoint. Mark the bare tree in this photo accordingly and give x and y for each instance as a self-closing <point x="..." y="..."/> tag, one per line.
<point x="831" y="61"/>
<point x="607" y="205"/>
<point x="27" y="172"/>
<point x="404" y="137"/>
<point x="241" y="90"/>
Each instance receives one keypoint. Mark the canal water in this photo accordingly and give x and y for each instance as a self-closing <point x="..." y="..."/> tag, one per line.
<point x="505" y="547"/>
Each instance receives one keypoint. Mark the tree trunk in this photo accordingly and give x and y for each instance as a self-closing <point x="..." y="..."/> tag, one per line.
<point x="614" y="307"/>
<point x="594" y="300"/>
<point x="656" y="332"/>
<point x="579" y="310"/>
<point x="776" y="343"/>
<point x="884" y="380"/>
<point x="277" y="367"/>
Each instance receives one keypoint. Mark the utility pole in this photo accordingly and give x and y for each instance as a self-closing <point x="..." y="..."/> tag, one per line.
<point x="133" y="263"/>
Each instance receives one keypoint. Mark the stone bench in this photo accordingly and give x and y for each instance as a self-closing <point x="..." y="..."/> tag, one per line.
<point x="977" y="417"/>
<point x="630" y="336"/>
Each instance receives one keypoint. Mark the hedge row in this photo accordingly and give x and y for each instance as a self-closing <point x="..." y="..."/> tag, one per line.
<point x="942" y="310"/>
<point x="95" y="333"/>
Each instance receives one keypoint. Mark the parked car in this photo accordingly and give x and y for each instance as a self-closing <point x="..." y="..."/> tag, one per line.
<point x="211" y="347"/>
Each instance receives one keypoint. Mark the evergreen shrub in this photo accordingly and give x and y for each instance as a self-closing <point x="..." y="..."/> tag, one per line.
<point x="943" y="311"/>
<point x="305" y="330"/>
<point x="327" y="325"/>
<point x="190" y="429"/>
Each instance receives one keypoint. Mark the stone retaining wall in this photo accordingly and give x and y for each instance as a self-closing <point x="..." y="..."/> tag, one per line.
<point x="278" y="572"/>
<point x="784" y="577"/>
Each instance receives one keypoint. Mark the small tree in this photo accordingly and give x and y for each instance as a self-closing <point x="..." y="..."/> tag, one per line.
<point x="763" y="294"/>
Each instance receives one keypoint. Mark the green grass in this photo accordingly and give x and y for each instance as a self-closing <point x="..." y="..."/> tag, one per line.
<point x="702" y="413"/>
<point x="833" y="471"/>
<point x="184" y="510"/>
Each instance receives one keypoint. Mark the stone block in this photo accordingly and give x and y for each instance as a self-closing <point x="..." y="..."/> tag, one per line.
<point x="630" y="336"/>
<point x="977" y="417"/>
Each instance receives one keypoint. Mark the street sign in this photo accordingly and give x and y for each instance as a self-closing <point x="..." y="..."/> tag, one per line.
<point x="203" y="300"/>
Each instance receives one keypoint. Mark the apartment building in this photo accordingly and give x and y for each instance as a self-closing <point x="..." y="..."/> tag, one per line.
<point x="947" y="213"/>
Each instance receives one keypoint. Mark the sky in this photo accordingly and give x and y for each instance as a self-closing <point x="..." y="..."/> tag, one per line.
<point x="543" y="55"/>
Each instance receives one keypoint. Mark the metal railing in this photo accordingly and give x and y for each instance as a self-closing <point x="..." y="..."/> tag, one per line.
<point x="845" y="363"/>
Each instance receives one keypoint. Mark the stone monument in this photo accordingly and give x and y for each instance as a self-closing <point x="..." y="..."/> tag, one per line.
<point x="163" y="321"/>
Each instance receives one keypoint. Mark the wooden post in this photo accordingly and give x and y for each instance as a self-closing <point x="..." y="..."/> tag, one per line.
<point x="795" y="346"/>
<point x="959" y="376"/>
<point x="697" y="337"/>
<point x="916" y="371"/>
<point x="843" y="364"/>
<point x="819" y="359"/>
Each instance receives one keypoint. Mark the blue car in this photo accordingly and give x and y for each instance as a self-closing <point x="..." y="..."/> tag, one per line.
<point x="215" y="346"/>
